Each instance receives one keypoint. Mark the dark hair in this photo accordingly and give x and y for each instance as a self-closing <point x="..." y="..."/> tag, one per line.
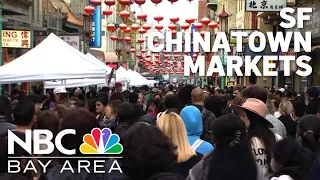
<point x="13" y="177"/>
<point x="156" y="94"/>
<point x="142" y="146"/>
<point x="126" y="117"/>
<point x="296" y="160"/>
<point x="144" y="87"/>
<point x="117" y="96"/>
<point x="215" y="104"/>
<point x="173" y="101"/>
<point x="257" y="92"/>
<point x="133" y="98"/>
<point x="232" y="157"/>
<point x="5" y="107"/>
<point x="83" y="122"/>
<point x="103" y="100"/>
<point x="258" y="129"/>
<point x="23" y="113"/>
<point x="33" y="98"/>
<point x="48" y="120"/>
<point x="167" y="176"/>
<point x="309" y="131"/>
<point x="161" y="107"/>
<point x="299" y="106"/>
<point x="184" y="94"/>
<point x="289" y="93"/>
<point x="280" y="93"/>
<point x="91" y="103"/>
<point x="18" y="152"/>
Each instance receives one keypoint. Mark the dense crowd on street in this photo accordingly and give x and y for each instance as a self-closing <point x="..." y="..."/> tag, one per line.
<point x="174" y="131"/>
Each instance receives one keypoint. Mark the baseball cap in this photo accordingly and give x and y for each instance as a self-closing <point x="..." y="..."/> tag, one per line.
<point x="154" y="90"/>
<point x="60" y="90"/>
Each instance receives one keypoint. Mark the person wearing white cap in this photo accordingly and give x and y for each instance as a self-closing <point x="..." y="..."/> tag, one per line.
<point x="61" y="96"/>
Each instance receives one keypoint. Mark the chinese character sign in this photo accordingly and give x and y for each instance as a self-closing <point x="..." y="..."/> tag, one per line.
<point x="16" y="39"/>
<point x="265" y="5"/>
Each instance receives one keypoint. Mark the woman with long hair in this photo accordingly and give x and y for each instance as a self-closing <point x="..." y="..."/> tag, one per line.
<point x="291" y="161"/>
<point x="286" y="110"/>
<point x="262" y="139"/>
<point x="232" y="158"/>
<point x="110" y="114"/>
<point x="101" y="104"/>
<point x="173" y="127"/>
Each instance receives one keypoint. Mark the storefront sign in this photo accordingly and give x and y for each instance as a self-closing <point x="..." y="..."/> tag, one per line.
<point x="233" y="40"/>
<point x="96" y="28"/>
<point x="73" y="41"/>
<point x="313" y="25"/>
<point x="16" y="39"/>
<point x="265" y="5"/>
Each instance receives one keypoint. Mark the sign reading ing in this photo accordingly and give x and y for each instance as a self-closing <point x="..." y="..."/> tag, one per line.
<point x="265" y="5"/>
<point x="16" y="39"/>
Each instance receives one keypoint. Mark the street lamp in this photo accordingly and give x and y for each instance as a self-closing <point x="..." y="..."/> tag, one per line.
<point x="119" y="47"/>
<point x="87" y="29"/>
<point x="223" y="18"/>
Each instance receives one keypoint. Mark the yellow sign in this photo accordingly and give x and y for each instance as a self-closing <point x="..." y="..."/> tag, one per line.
<point x="16" y="39"/>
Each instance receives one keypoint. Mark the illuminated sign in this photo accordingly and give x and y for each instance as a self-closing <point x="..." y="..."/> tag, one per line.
<point x="96" y="28"/>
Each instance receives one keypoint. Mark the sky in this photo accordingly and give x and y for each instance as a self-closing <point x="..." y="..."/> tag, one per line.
<point x="182" y="9"/>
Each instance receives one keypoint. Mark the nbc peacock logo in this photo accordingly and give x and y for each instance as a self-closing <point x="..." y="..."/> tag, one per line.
<point x="101" y="142"/>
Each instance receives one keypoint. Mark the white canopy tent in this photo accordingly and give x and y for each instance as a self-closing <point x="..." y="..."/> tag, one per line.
<point x="71" y="83"/>
<point x="136" y="79"/>
<point x="52" y="59"/>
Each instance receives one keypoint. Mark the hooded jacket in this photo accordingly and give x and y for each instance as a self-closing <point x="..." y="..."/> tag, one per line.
<point x="192" y="119"/>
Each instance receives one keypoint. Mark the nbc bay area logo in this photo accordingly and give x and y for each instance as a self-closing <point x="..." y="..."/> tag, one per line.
<point x="101" y="142"/>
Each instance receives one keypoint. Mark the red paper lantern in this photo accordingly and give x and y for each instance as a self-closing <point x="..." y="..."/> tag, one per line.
<point x="133" y="50"/>
<point x="212" y="25"/>
<point x="95" y="2"/>
<point x="190" y="20"/>
<point x="127" y="39"/>
<point x="107" y="12"/>
<point x="159" y="27"/>
<point x="198" y="25"/>
<point x="139" y="55"/>
<point x="167" y="57"/>
<point x="202" y="33"/>
<point x="140" y="40"/>
<point x="110" y="2"/>
<point x="205" y="21"/>
<point x="172" y="27"/>
<point x="172" y="1"/>
<point x="124" y="14"/>
<point x="113" y="38"/>
<point x="140" y="2"/>
<point x="123" y="26"/>
<point x="134" y="27"/>
<point x="175" y="56"/>
<point x="125" y="2"/>
<point x="146" y="26"/>
<point x="148" y="56"/>
<point x="111" y="27"/>
<point x="157" y="56"/>
<point x="185" y="26"/>
<point x="155" y="42"/>
<point x="127" y="30"/>
<point x="174" y="19"/>
<point x="158" y="18"/>
<point x="142" y="16"/>
<point x="156" y="1"/>
<point x="143" y="51"/>
<point x="89" y="10"/>
<point x="174" y="32"/>
<point x="142" y="31"/>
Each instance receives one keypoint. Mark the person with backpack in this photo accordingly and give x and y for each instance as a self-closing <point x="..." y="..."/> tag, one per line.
<point x="191" y="117"/>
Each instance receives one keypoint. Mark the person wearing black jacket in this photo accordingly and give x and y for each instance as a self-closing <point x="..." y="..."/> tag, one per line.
<point x="312" y="96"/>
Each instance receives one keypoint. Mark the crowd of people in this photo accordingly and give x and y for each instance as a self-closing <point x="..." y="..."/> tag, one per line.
<point x="175" y="132"/>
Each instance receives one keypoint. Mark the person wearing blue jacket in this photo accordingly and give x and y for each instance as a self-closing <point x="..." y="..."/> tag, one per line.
<point x="192" y="119"/>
